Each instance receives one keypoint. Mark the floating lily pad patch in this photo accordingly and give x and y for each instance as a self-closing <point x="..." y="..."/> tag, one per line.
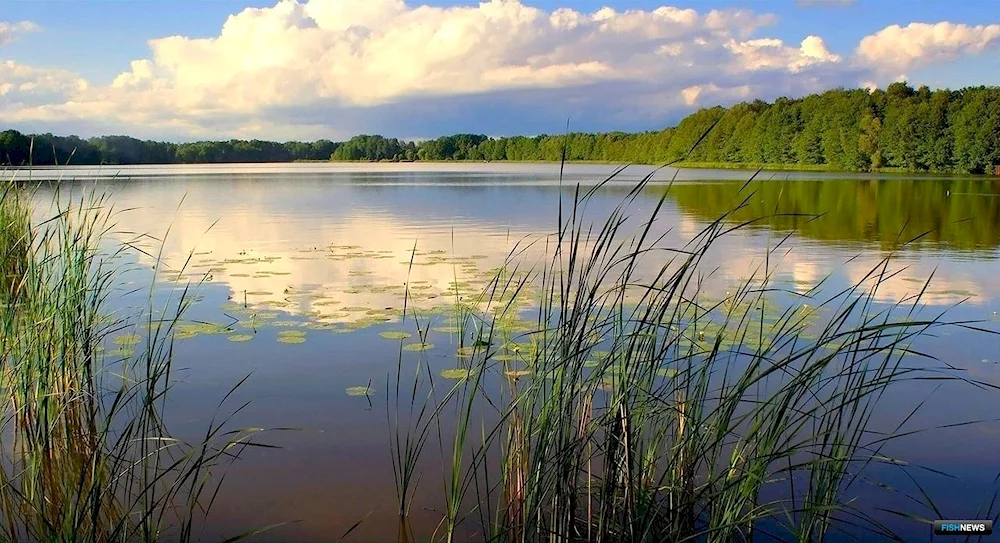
<point x="128" y="339"/>
<point x="358" y="391"/>
<point x="395" y="334"/>
<point x="292" y="336"/>
<point x="466" y="352"/>
<point x="418" y="347"/>
<point x="240" y="338"/>
<point x="285" y="323"/>
<point x="455" y="373"/>
<point x="121" y="352"/>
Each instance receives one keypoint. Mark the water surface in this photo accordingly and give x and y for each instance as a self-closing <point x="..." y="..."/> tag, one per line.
<point x="322" y="253"/>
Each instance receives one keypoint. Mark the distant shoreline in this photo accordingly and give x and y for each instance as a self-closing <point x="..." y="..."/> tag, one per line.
<point x="690" y="165"/>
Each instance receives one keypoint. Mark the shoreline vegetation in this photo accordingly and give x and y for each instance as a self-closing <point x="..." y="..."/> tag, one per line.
<point x="86" y="454"/>
<point x="649" y="410"/>
<point x="898" y="129"/>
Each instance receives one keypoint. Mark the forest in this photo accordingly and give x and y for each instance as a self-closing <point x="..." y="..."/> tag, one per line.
<point x="899" y="128"/>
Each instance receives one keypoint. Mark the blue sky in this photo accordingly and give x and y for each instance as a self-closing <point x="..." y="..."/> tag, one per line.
<point x="332" y="68"/>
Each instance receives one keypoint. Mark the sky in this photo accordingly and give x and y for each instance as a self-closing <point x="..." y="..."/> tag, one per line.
<point x="184" y="70"/>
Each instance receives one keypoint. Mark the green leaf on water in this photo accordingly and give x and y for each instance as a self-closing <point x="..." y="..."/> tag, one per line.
<point x="466" y="352"/>
<point x="417" y="347"/>
<point x="292" y="336"/>
<point x="455" y="373"/>
<point x="121" y="352"/>
<point x="128" y="339"/>
<point x="359" y="391"/>
<point x="239" y="338"/>
<point x="395" y="334"/>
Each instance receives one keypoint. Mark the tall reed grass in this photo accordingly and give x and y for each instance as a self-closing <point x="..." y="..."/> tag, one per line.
<point x="643" y="408"/>
<point x="85" y="454"/>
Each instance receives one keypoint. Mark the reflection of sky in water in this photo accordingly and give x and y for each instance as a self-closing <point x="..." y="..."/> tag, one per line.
<point x="317" y="252"/>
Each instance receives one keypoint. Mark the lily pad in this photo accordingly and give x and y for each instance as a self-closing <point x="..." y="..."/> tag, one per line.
<point x="128" y="339"/>
<point x="358" y="391"/>
<point x="417" y="347"/>
<point x="393" y="334"/>
<point x="285" y="323"/>
<point x="466" y="352"/>
<point x="292" y="336"/>
<point x="122" y="352"/>
<point x="455" y="373"/>
<point x="239" y="338"/>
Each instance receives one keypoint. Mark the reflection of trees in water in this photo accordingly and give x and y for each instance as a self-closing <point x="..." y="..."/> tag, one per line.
<point x="956" y="214"/>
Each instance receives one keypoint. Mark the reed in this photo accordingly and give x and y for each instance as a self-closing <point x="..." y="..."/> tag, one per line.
<point x="642" y="408"/>
<point x="85" y="454"/>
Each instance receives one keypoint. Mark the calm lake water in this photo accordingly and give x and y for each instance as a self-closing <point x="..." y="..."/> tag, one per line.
<point x="324" y="250"/>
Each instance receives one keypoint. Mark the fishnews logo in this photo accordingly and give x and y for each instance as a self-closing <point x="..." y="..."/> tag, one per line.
<point x="963" y="527"/>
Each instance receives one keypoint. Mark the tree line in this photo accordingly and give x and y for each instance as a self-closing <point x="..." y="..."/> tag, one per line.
<point x="19" y="149"/>
<point x="899" y="128"/>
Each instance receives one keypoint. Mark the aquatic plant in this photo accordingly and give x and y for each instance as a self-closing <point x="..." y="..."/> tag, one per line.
<point x="643" y="409"/>
<point x="85" y="454"/>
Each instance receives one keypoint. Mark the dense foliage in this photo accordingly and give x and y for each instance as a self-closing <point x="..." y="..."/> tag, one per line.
<point x="45" y="149"/>
<point x="853" y="130"/>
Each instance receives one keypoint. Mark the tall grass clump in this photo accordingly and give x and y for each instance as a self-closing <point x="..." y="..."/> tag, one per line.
<point x="84" y="451"/>
<point x="14" y="238"/>
<point x="643" y="406"/>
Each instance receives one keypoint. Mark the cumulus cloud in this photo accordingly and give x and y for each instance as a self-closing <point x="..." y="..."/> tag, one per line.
<point x="11" y="31"/>
<point x="25" y="86"/>
<point x="332" y="68"/>
<point x="901" y="47"/>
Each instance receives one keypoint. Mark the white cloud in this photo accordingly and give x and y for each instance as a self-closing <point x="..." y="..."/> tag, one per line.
<point x="899" y="48"/>
<point x="332" y="68"/>
<point x="24" y="86"/>
<point x="772" y="53"/>
<point x="11" y="31"/>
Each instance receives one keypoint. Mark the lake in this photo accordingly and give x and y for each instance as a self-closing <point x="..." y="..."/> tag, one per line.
<point x="308" y="264"/>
